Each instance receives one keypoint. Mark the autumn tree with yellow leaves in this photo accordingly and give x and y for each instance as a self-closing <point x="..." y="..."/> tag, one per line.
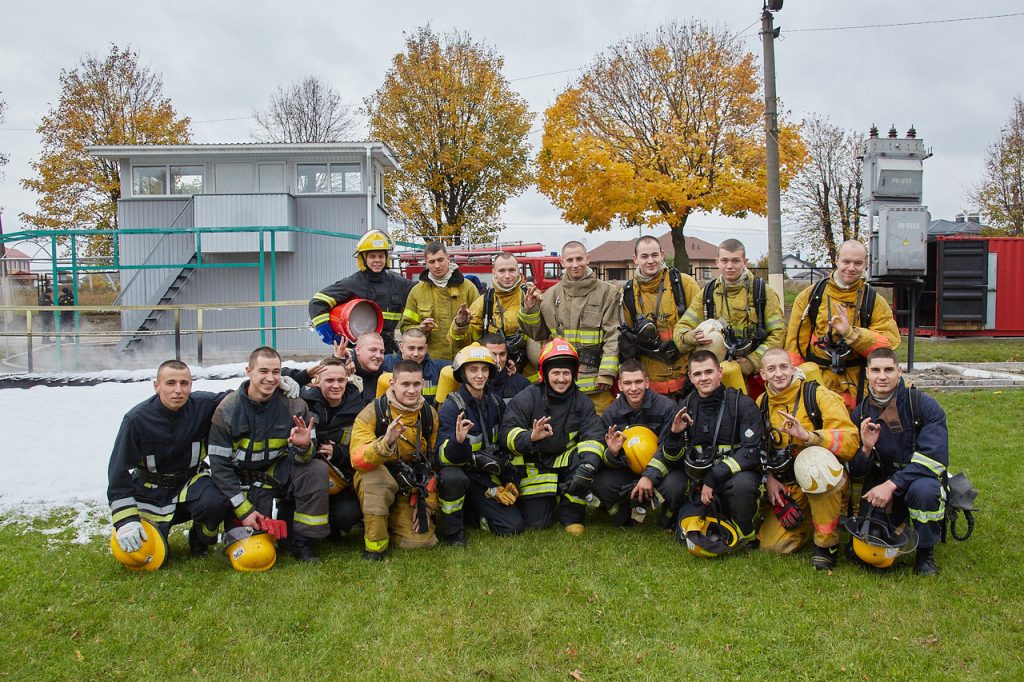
<point x="459" y="132"/>
<point x="659" y="126"/>
<point x="113" y="100"/>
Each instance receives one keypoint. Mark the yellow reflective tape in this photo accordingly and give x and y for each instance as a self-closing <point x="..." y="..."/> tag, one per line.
<point x="392" y="316"/>
<point x="936" y="468"/>
<point x="517" y="461"/>
<point x="321" y="296"/>
<point x="529" y="318"/>
<point x="244" y="509"/>
<point x="412" y="315"/>
<point x="258" y="446"/>
<point x="376" y="545"/>
<point x="927" y="516"/>
<point x="563" y="459"/>
<point x="453" y="506"/>
<point x="574" y="499"/>
<point x="690" y="320"/>
<point x="733" y="465"/>
<point x="510" y="440"/>
<point x="320" y="319"/>
<point x="430" y="390"/>
<point x="311" y="519"/>
<point x="124" y="514"/>
<point x="659" y="465"/>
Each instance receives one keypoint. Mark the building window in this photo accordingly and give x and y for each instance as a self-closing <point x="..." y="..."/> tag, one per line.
<point x="335" y="178"/>
<point x="552" y="270"/>
<point x="617" y="274"/>
<point x="148" y="180"/>
<point x="186" y="179"/>
<point x="379" y="185"/>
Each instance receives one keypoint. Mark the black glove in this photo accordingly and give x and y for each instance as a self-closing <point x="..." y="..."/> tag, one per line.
<point x="669" y="351"/>
<point x="582" y="480"/>
<point x="627" y="343"/>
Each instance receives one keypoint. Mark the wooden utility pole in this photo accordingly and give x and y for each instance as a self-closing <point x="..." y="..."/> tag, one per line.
<point x="771" y="129"/>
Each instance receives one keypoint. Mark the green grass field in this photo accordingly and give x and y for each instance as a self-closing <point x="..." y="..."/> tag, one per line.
<point x="964" y="350"/>
<point x="608" y="605"/>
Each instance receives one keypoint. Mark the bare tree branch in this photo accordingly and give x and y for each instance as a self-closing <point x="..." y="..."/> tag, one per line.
<point x="308" y="110"/>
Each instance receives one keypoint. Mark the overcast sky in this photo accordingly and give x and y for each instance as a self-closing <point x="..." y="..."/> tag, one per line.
<point x="954" y="81"/>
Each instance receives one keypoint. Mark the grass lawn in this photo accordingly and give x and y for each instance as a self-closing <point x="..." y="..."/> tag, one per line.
<point x="608" y="605"/>
<point x="964" y="350"/>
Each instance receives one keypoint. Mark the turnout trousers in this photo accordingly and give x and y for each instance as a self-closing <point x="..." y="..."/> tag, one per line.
<point x="303" y="489"/>
<point x="738" y="497"/>
<point x="923" y="503"/>
<point x="459" y="490"/>
<point x="388" y="512"/>
<point x="821" y="519"/>
<point x="199" y="501"/>
<point x="613" y="487"/>
<point x="540" y="501"/>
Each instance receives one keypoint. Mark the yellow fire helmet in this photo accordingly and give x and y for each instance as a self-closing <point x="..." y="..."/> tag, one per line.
<point x="149" y="557"/>
<point x="707" y="536"/>
<point x="817" y="470"/>
<point x="374" y="240"/>
<point x="335" y="482"/>
<point x="639" y="447"/>
<point x="250" y="551"/>
<point x="474" y="352"/>
<point x="877" y="543"/>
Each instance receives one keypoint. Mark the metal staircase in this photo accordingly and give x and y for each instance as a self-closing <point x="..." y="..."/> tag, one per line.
<point x="149" y="323"/>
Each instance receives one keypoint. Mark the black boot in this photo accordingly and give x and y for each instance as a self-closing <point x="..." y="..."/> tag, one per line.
<point x="455" y="539"/>
<point x="824" y="558"/>
<point x="372" y="556"/>
<point x="924" y="562"/>
<point x="195" y="546"/>
<point x="302" y="549"/>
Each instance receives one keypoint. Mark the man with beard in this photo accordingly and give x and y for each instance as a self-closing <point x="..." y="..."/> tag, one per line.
<point x="584" y="311"/>
<point x="554" y="436"/>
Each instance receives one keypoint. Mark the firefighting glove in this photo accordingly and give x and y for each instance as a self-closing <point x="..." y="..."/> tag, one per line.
<point x="582" y="480"/>
<point x="289" y="387"/>
<point x="327" y="333"/>
<point x="788" y="513"/>
<point x="130" y="536"/>
<point x="486" y="463"/>
<point x="507" y="494"/>
<point x="627" y="343"/>
<point x="275" y="527"/>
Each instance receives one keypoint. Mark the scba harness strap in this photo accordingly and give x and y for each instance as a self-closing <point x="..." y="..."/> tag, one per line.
<point x="759" y="292"/>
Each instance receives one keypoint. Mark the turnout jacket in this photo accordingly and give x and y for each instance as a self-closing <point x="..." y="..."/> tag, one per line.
<point x="585" y="313"/>
<point x="881" y="333"/>
<point x="369" y="450"/>
<point x="740" y="437"/>
<point x="665" y="377"/>
<point x="485" y="413"/>
<point x="506" y="386"/>
<point x="431" y="372"/>
<point x="655" y="412"/>
<point x="252" y="436"/>
<point x="895" y="452"/>
<point x="426" y="299"/>
<point x="387" y="289"/>
<point x="573" y="420"/>
<point x="334" y="424"/>
<point x="504" y="318"/>
<point x="837" y="433"/>
<point x="735" y="304"/>
<point x="155" y="440"/>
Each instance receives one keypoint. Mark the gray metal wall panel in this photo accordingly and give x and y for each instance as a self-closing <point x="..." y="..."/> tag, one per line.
<point x="245" y="210"/>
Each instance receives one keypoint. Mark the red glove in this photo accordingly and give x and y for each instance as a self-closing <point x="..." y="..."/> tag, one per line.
<point x="788" y="513"/>
<point x="279" y="529"/>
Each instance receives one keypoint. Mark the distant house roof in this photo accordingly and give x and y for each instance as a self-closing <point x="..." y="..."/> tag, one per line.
<point x="797" y="261"/>
<point x="380" y="151"/>
<point x="942" y="227"/>
<point x="615" y="251"/>
<point x="11" y="253"/>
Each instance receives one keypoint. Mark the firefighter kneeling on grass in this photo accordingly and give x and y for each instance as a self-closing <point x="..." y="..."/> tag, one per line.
<point x="555" y="437"/>
<point x="475" y="470"/>
<point x="261" y="448"/>
<point x="808" y="434"/>
<point x="392" y="448"/>
<point x="716" y="437"/>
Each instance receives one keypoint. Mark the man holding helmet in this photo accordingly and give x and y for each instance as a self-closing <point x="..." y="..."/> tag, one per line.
<point x="750" y="311"/>
<point x="158" y="475"/>
<point x="474" y="468"/>
<point x="838" y="321"/>
<point x="903" y="457"/>
<point x="555" y="439"/>
<point x="374" y="282"/>
<point x="716" y="438"/>
<point x="652" y="303"/>
<point x="634" y="423"/>
<point x="808" y="434"/>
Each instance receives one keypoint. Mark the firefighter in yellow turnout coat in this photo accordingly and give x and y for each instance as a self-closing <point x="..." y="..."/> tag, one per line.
<point x="737" y="298"/>
<point x="801" y="414"/>
<point x="392" y="446"/>
<point x="655" y="296"/>
<point x="583" y="310"/>
<point x="837" y="322"/>
<point x="436" y="298"/>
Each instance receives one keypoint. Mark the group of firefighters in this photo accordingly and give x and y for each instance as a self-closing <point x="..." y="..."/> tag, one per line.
<point x="696" y="406"/>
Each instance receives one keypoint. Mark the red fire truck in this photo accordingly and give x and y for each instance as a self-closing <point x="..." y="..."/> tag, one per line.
<point x="542" y="270"/>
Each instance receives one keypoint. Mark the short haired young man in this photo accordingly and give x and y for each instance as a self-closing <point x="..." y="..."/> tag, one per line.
<point x="261" y="448"/>
<point x="414" y="349"/>
<point x="392" y="450"/>
<point x="436" y="298"/>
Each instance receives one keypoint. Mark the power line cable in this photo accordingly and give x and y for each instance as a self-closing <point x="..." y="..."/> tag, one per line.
<point x="905" y="23"/>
